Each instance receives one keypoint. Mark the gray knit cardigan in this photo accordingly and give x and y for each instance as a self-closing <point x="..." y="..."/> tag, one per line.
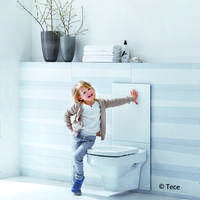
<point x="73" y="115"/>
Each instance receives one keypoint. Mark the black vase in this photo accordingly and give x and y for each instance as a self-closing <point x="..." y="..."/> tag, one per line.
<point x="50" y="45"/>
<point x="67" y="45"/>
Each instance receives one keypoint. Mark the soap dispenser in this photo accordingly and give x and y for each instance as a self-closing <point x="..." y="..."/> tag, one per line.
<point x="124" y="52"/>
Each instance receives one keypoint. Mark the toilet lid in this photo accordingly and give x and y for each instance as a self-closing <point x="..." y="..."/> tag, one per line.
<point x="112" y="151"/>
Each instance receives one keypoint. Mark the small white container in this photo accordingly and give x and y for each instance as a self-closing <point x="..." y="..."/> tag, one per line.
<point x="124" y="52"/>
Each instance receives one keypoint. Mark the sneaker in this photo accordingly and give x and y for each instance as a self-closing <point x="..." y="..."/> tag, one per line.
<point x="76" y="189"/>
<point x="78" y="193"/>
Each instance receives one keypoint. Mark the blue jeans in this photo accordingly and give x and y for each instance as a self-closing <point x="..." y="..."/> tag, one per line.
<point x="81" y="144"/>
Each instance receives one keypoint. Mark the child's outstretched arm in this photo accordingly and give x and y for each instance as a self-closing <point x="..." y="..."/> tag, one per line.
<point x="108" y="103"/>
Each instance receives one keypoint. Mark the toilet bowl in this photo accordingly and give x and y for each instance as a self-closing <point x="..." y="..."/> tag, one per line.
<point x="118" y="166"/>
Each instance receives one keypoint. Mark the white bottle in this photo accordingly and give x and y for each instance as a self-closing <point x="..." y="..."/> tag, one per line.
<point x="125" y="53"/>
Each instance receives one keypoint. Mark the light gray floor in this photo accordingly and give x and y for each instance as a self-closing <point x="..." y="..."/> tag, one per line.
<point x="26" y="188"/>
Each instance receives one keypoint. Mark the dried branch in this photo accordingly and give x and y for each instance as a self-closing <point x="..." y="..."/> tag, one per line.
<point x="68" y="18"/>
<point x="62" y="18"/>
<point x="46" y="14"/>
<point x="80" y="27"/>
<point x="30" y="13"/>
<point x="43" y="19"/>
<point x="51" y="13"/>
<point x="65" y="5"/>
<point x="36" y="6"/>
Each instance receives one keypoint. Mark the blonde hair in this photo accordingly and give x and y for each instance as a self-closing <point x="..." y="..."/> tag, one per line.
<point x="76" y="90"/>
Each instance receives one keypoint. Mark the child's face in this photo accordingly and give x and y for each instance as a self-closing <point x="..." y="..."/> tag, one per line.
<point x="86" y="94"/>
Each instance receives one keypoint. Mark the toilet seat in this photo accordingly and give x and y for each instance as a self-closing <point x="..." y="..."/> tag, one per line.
<point x="112" y="151"/>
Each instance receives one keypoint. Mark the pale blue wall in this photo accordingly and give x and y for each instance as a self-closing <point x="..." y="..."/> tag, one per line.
<point x="45" y="92"/>
<point x="15" y="40"/>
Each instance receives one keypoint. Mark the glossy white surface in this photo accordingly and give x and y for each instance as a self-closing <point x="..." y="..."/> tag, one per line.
<point x="112" y="150"/>
<point x="130" y="121"/>
<point x="115" y="166"/>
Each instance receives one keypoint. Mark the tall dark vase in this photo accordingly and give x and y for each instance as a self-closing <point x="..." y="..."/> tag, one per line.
<point x="50" y="45"/>
<point x="67" y="45"/>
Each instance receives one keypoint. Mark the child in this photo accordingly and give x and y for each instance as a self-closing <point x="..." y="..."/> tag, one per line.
<point x="87" y="119"/>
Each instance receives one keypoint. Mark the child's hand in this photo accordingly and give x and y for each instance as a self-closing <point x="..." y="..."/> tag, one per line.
<point x="98" y="134"/>
<point x="134" y="94"/>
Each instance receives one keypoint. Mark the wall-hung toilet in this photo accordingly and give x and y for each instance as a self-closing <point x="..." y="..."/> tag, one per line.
<point x="118" y="166"/>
